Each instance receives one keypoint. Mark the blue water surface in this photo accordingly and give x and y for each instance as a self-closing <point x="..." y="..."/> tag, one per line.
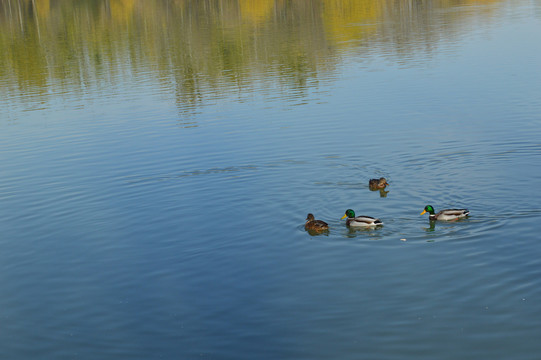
<point x="136" y="227"/>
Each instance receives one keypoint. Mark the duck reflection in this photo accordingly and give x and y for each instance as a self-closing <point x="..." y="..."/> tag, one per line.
<point x="382" y="192"/>
<point x="431" y="226"/>
<point x="368" y="233"/>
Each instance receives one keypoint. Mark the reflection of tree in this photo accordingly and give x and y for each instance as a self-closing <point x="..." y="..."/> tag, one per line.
<point x="187" y="92"/>
<point x="219" y="46"/>
<point x="257" y="11"/>
<point x="351" y="19"/>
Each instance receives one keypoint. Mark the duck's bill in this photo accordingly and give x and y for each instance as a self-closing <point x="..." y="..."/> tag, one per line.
<point x="424" y="211"/>
<point x="343" y="217"/>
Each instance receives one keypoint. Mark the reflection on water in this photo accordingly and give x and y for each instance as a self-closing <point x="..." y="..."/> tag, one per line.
<point x="432" y="226"/>
<point x="201" y="50"/>
<point x="382" y="192"/>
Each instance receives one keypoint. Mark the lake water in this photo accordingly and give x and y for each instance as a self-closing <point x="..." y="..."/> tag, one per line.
<point x="159" y="159"/>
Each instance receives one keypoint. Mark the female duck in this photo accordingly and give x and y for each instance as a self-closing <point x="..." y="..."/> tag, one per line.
<point x="315" y="225"/>
<point x="362" y="220"/>
<point x="380" y="183"/>
<point x="447" y="214"/>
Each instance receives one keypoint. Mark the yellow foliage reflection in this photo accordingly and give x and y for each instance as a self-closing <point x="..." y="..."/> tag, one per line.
<point x="42" y="7"/>
<point x="219" y="44"/>
<point x="350" y="19"/>
<point x="122" y="10"/>
<point x="256" y="10"/>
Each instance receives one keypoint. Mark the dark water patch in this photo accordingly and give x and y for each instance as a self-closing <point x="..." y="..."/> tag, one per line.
<point x="220" y="171"/>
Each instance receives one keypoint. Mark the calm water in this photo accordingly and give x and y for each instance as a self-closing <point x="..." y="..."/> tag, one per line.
<point x="159" y="159"/>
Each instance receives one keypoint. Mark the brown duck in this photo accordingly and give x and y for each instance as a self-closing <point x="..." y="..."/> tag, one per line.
<point x="380" y="183"/>
<point x="315" y="225"/>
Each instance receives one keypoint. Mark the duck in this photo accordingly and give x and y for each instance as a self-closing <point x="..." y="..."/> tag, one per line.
<point x="380" y="183"/>
<point x="447" y="214"/>
<point x="315" y="225"/>
<point x="362" y="220"/>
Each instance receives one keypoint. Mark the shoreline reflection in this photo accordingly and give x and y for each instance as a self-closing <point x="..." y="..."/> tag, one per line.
<point x="203" y="51"/>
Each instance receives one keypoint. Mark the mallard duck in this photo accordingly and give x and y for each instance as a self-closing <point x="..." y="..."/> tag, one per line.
<point x="315" y="225"/>
<point x="447" y="214"/>
<point x="361" y="220"/>
<point x="380" y="183"/>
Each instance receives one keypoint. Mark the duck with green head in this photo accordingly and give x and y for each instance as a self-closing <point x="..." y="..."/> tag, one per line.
<point x="360" y="221"/>
<point x="447" y="214"/>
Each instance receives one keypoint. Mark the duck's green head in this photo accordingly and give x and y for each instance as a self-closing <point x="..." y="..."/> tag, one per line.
<point x="428" y="209"/>
<point x="349" y="214"/>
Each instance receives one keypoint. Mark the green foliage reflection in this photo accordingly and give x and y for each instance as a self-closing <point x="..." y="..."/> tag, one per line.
<point x="219" y="45"/>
